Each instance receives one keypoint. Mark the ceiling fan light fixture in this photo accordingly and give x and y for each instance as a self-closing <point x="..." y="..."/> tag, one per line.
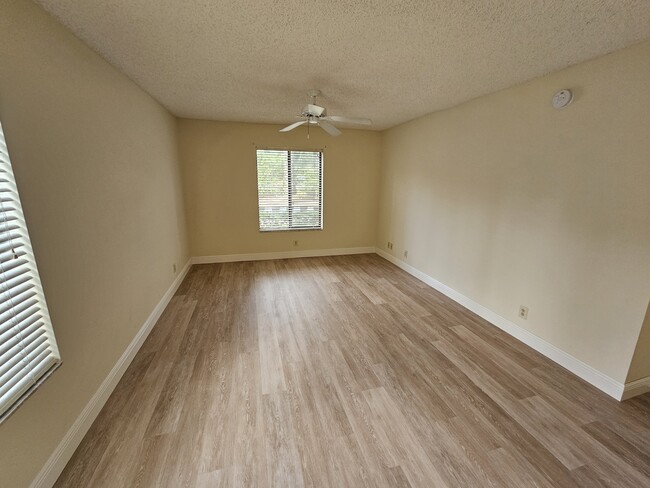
<point x="316" y="115"/>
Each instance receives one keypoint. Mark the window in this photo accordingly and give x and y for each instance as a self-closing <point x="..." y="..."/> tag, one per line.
<point x="28" y="351"/>
<point x="290" y="189"/>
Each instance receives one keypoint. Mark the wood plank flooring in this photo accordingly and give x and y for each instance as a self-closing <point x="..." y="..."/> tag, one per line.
<point x="346" y="371"/>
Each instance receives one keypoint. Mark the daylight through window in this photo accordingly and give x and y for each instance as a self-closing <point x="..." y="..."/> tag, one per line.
<point x="290" y="189"/>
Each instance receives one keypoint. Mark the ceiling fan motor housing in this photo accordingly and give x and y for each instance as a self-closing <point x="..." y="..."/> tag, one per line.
<point x="313" y="111"/>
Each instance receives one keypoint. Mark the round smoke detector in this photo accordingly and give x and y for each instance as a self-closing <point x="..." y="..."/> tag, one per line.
<point x="562" y="98"/>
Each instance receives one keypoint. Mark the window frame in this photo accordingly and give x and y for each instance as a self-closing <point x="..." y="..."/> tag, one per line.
<point x="321" y="153"/>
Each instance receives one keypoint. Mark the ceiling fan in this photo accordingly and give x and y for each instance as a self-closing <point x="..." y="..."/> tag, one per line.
<point x="316" y="115"/>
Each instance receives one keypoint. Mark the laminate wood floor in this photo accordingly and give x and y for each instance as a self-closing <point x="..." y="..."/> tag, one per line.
<point x="346" y="371"/>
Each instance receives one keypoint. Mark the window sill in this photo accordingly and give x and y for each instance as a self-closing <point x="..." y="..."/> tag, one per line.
<point x="290" y="230"/>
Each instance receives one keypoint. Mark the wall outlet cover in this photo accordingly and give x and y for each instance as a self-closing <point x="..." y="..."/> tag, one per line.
<point x="523" y="312"/>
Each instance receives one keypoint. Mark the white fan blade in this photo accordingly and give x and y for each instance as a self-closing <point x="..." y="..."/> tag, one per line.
<point x="329" y="128"/>
<point x="313" y="110"/>
<point x="293" y="126"/>
<point x="349" y="120"/>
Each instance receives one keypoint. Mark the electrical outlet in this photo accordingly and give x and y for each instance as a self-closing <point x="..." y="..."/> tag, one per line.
<point x="406" y="254"/>
<point x="174" y="267"/>
<point x="295" y="243"/>
<point x="389" y="245"/>
<point x="523" y="312"/>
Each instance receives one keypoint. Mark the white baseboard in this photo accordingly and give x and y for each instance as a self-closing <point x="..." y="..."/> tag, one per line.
<point x="601" y="381"/>
<point x="263" y="256"/>
<point x="637" y="387"/>
<point x="64" y="451"/>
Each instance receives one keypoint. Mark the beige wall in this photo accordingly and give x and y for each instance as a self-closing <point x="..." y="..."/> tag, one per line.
<point x="511" y="202"/>
<point x="640" y="366"/>
<point x="96" y="163"/>
<point x="220" y="183"/>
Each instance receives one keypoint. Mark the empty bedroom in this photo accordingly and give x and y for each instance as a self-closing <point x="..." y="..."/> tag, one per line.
<point x="285" y="243"/>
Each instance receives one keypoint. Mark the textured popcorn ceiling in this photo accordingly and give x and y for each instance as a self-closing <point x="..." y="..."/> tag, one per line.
<point x="254" y="60"/>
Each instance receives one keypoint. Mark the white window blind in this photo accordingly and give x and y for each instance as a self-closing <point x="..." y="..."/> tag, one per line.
<point x="290" y="189"/>
<point x="28" y="350"/>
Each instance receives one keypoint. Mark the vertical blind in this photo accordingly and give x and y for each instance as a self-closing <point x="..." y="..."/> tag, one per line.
<point x="290" y="189"/>
<point x="28" y="350"/>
